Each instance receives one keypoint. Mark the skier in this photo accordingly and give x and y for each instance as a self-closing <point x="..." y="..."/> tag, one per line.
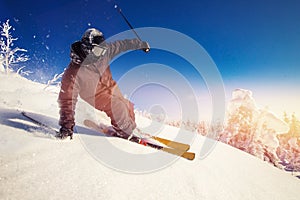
<point x="88" y="75"/>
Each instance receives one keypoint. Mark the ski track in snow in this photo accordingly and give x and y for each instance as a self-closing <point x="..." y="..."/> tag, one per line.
<point x="33" y="165"/>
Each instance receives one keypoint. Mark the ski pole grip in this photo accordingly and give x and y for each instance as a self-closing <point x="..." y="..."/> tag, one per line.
<point x="146" y="50"/>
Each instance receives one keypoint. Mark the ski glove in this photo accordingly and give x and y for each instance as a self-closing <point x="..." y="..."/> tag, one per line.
<point x="77" y="53"/>
<point x="64" y="133"/>
<point x="146" y="46"/>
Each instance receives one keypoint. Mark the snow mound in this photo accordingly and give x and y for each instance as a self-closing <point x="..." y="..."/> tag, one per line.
<point x="35" y="166"/>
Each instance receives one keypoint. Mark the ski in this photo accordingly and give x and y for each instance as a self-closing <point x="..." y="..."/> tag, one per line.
<point x="173" y="144"/>
<point x="169" y="143"/>
<point x="50" y="129"/>
<point x="182" y="152"/>
<point x="175" y="151"/>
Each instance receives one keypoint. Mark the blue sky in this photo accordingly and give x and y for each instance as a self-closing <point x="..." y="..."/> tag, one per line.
<point x="255" y="44"/>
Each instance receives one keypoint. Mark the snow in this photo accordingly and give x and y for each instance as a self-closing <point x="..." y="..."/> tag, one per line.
<point x="36" y="166"/>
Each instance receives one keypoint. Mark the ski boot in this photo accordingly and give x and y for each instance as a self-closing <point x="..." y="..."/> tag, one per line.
<point x="64" y="133"/>
<point x="121" y="134"/>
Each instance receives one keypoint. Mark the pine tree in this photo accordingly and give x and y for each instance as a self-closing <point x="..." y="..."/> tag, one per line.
<point x="294" y="126"/>
<point x="286" y="118"/>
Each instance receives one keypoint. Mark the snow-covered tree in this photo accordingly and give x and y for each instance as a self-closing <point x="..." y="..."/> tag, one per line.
<point x="240" y="128"/>
<point x="1" y="63"/>
<point x="10" y="56"/>
<point x="289" y="151"/>
<point x="294" y="126"/>
<point x="252" y="129"/>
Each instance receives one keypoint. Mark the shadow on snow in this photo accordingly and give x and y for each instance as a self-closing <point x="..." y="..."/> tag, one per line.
<point x="15" y="119"/>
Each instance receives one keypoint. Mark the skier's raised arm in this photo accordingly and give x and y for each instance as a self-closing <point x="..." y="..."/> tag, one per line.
<point x="120" y="46"/>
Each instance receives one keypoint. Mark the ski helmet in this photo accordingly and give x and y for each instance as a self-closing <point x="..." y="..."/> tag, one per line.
<point x="92" y="36"/>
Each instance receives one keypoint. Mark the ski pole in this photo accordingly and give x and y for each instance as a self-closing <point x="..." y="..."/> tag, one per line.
<point x="131" y="27"/>
<point x="126" y="20"/>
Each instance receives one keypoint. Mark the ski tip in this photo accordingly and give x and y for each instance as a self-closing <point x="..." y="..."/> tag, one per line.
<point x="189" y="155"/>
<point x="179" y="152"/>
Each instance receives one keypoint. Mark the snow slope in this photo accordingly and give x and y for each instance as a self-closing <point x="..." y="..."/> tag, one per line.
<point x="35" y="166"/>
